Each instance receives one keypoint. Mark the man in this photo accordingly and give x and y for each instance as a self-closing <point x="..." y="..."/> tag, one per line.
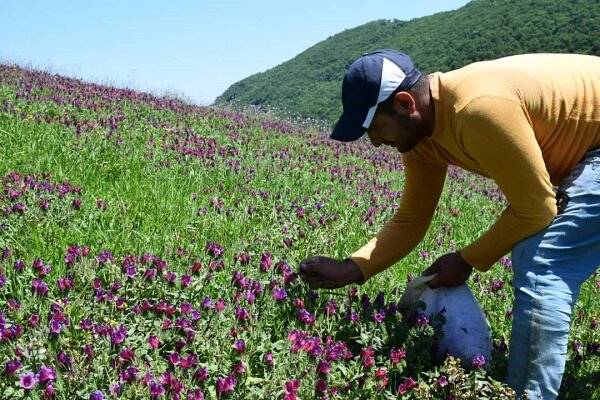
<point x="531" y="123"/>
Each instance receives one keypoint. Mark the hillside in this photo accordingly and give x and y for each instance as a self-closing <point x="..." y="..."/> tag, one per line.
<point x="309" y="85"/>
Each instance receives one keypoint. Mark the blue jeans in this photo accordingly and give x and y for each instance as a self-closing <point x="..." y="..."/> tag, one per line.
<point x="549" y="269"/>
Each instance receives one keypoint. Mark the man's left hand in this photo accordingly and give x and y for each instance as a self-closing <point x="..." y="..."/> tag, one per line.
<point x="451" y="270"/>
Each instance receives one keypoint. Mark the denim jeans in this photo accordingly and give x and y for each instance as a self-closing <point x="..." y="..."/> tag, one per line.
<point x="549" y="269"/>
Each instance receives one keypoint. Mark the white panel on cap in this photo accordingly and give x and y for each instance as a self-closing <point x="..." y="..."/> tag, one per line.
<point x="391" y="77"/>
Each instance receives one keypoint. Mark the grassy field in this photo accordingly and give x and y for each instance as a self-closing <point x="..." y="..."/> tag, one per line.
<point x="149" y="250"/>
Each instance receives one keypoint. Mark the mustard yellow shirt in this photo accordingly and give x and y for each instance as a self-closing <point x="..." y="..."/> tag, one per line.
<point x="525" y="121"/>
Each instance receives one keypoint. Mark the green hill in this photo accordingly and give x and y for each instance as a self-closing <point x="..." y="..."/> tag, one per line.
<point x="309" y="85"/>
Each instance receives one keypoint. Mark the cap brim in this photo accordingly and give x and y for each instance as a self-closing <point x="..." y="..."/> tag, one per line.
<point x="349" y="127"/>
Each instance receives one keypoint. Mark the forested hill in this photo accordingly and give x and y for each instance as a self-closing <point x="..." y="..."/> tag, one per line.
<point x="309" y="85"/>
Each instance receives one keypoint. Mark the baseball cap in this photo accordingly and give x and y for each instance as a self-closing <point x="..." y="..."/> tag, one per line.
<point x="369" y="81"/>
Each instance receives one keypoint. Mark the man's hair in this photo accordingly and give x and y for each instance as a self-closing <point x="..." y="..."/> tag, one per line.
<point x="421" y="87"/>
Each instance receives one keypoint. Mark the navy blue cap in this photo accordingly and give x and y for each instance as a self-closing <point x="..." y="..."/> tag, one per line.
<point x="369" y="81"/>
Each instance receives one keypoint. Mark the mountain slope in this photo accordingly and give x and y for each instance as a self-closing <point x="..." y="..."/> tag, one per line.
<point x="309" y="85"/>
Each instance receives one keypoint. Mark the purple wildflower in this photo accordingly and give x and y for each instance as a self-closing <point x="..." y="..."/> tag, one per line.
<point x="97" y="395"/>
<point x="407" y="385"/>
<point x="306" y="317"/>
<point x="323" y="367"/>
<point x="422" y="319"/>
<point x="201" y="374"/>
<point x="11" y="367"/>
<point x="269" y="359"/>
<point x="27" y="381"/>
<point x="156" y="390"/>
<point x="226" y="384"/>
<point x="442" y="381"/>
<point x="478" y="361"/>
<point x="240" y="346"/>
<point x="19" y="265"/>
<point x="279" y="294"/>
<point x="88" y="349"/>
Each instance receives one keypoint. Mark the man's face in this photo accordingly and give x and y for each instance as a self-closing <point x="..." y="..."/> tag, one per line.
<point x="396" y="129"/>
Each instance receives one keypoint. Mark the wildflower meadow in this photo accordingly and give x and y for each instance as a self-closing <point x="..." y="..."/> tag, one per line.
<point x="149" y="248"/>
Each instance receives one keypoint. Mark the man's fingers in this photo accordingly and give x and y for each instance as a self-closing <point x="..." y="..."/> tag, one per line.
<point x="431" y="270"/>
<point x="315" y="283"/>
<point x="434" y="283"/>
<point x="308" y="265"/>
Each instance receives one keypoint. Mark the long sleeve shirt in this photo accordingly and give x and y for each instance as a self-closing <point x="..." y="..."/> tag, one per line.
<point x="524" y="121"/>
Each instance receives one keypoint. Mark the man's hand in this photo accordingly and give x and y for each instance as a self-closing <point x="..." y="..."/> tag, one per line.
<point x="328" y="273"/>
<point x="451" y="270"/>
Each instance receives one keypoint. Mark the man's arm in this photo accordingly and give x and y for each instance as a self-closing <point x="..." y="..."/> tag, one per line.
<point x="496" y="132"/>
<point x="423" y="186"/>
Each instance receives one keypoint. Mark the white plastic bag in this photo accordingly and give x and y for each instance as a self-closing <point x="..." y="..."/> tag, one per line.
<point x="466" y="331"/>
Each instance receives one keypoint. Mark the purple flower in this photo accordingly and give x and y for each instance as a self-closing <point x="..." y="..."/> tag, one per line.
<point x="11" y="367"/>
<point x="207" y="303"/>
<point x="39" y="287"/>
<point x="478" y="361"/>
<point x="201" y="374"/>
<point x="156" y="390"/>
<point x="396" y="355"/>
<point x="97" y="395"/>
<point x="306" y="317"/>
<point x="118" y="336"/>
<point x="174" y="358"/>
<point x="442" y="381"/>
<point x="55" y="327"/>
<point x="323" y="367"/>
<point x="226" y="384"/>
<point x="64" y="360"/>
<point x="115" y="389"/>
<point x="422" y="320"/>
<point x="407" y="385"/>
<point x="45" y="374"/>
<point x="128" y="374"/>
<point x="49" y="391"/>
<point x="127" y="354"/>
<point x="380" y="316"/>
<point x="291" y="387"/>
<point x="279" y="294"/>
<point x="240" y="346"/>
<point x="88" y="349"/>
<point x="191" y="361"/>
<point x="239" y="368"/>
<point x="330" y="307"/>
<point x="497" y="285"/>
<point x="241" y="314"/>
<point x="269" y="359"/>
<point x="19" y="265"/>
<point x="27" y="381"/>
<point x="153" y="341"/>
<point x="321" y="386"/>
<point x="266" y="262"/>
<point x="105" y="256"/>
<point x="250" y="297"/>
<point x="34" y="319"/>
<point x="214" y="250"/>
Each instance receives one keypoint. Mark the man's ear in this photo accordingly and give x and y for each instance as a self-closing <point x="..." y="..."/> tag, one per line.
<point x="404" y="102"/>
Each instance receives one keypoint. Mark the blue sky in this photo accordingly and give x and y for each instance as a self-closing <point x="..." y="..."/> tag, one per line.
<point x="194" y="49"/>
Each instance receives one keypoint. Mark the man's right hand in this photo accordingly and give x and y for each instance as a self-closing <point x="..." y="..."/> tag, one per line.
<point x="328" y="273"/>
